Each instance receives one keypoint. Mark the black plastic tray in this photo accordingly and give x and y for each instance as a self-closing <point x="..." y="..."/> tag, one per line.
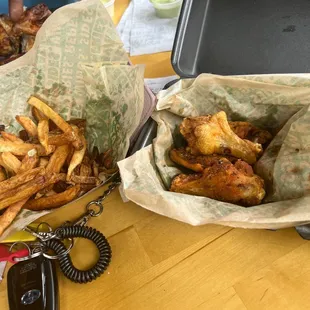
<point x="242" y="37"/>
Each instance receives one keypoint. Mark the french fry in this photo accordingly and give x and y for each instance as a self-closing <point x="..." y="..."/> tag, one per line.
<point x="21" y="149"/>
<point x="19" y="179"/>
<point x="56" y="118"/>
<point x="95" y="168"/>
<point x="30" y="161"/>
<point x="61" y="186"/>
<point x="43" y="161"/>
<point x="78" y="122"/>
<point x="58" y="158"/>
<point x="85" y="170"/>
<point x="2" y="174"/>
<point x="28" y="189"/>
<point x="86" y="187"/>
<point x="43" y="133"/>
<point x="10" y="162"/>
<point x="71" y="152"/>
<point x="38" y="115"/>
<point x="60" y="139"/>
<point x="53" y="201"/>
<point x="76" y="158"/>
<point x="77" y="179"/>
<point x="28" y="124"/>
<point x="78" y="144"/>
<point x="50" y="193"/>
<point x="10" y="137"/>
<point x="9" y="215"/>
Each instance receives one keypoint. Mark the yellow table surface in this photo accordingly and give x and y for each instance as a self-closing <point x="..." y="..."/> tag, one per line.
<point x="159" y="263"/>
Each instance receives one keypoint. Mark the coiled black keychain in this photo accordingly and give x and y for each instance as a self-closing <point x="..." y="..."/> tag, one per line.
<point x="53" y="241"/>
<point x="65" y="263"/>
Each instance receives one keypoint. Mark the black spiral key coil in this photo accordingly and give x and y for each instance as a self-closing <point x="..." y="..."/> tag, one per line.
<point x="65" y="262"/>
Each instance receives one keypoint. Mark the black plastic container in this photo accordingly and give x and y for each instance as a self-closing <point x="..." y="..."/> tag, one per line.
<point x="242" y="37"/>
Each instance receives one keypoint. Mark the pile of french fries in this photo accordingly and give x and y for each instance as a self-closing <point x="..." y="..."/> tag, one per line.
<point x="48" y="164"/>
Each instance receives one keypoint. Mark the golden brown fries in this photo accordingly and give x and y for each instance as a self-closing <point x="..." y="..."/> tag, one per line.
<point x="78" y="144"/>
<point x="9" y="215"/>
<point x="95" y="169"/>
<point x="28" y="124"/>
<point x="10" y="137"/>
<point x="85" y="170"/>
<point x="59" y="139"/>
<point x="43" y="161"/>
<point x="21" y="149"/>
<point x="30" y="188"/>
<point x="43" y="133"/>
<point x="19" y="179"/>
<point x="78" y="179"/>
<point x="53" y="201"/>
<point x="10" y="162"/>
<point x="30" y="161"/>
<point x="38" y="115"/>
<point x="2" y="174"/>
<point x="48" y="165"/>
<point x="76" y="158"/>
<point x="57" y="119"/>
<point x="58" y="159"/>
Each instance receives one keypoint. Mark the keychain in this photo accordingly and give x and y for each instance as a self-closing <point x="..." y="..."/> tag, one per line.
<point x="52" y="240"/>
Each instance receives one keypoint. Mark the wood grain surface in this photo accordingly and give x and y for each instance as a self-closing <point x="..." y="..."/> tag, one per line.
<point x="159" y="263"/>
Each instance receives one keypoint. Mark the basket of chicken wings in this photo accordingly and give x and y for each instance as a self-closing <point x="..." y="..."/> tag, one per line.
<point x="231" y="150"/>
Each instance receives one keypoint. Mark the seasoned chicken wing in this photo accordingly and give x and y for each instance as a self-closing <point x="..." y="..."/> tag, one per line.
<point x="245" y="130"/>
<point x="196" y="163"/>
<point x="32" y="19"/>
<point x="208" y="135"/>
<point x="224" y="181"/>
<point x="6" y="47"/>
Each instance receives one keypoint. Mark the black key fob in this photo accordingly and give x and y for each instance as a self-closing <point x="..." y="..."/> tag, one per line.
<point x="32" y="285"/>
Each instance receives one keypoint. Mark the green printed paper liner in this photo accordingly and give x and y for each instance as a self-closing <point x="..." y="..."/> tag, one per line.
<point x="279" y="103"/>
<point x="77" y="65"/>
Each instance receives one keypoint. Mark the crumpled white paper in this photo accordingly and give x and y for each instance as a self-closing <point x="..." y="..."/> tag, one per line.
<point x="274" y="102"/>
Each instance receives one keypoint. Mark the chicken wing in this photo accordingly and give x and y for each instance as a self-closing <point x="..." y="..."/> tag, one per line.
<point x="208" y="135"/>
<point x="32" y="19"/>
<point x="196" y="163"/>
<point x="6" y="45"/>
<point x="245" y="130"/>
<point x="224" y="181"/>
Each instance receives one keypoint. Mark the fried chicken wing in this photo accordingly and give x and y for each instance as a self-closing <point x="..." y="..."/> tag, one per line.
<point x="245" y="130"/>
<point x="208" y="135"/>
<point x="7" y="46"/>
<point x="32" y="19"/>
<point x="196" y="163"/>
<point x="224" y="181"/>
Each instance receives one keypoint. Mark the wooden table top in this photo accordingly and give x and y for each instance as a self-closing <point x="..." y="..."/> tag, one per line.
<point x="159" y="263"/>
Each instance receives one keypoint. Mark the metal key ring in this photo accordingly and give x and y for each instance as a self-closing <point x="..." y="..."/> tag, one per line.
<point x="91" y="211"/>
<point x="62" y="254"/>
<point x="32" y="255"/>
<point x="20" y="242"/>
<point x="50" y="229"/>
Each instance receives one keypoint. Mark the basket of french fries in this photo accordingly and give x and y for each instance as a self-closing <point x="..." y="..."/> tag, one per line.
<point x="69" y="110"/>
<point x="47" y="165"/>
<point x="229" y="150"/>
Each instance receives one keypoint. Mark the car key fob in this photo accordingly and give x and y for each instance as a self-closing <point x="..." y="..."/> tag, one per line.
<point x="32" y="285"/>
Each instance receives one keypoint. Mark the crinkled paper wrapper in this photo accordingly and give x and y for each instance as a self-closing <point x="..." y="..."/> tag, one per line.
<point x="78" y="65"/>
<point x="279" y="103"/>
